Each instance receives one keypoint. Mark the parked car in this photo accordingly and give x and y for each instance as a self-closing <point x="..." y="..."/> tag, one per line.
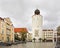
<point x="57" y="44"/>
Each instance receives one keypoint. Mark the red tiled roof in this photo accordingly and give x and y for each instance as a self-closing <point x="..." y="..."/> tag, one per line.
<point x="20" y="30"/>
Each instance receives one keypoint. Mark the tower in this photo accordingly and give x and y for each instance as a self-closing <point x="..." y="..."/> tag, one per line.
<point x="37" y="21"/>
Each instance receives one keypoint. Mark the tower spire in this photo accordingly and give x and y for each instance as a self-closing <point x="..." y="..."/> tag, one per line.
<point x="37" y="12"/>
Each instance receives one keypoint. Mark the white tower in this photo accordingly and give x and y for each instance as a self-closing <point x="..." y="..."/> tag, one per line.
<point x="37" y="21"/>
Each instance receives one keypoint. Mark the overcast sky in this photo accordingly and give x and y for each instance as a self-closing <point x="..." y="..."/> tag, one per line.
<point x="21" y="11"/>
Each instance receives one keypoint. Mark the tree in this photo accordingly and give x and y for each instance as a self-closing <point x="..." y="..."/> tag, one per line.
<point x="40" y="39"/>
<point x="58" y="29"/>
<point x="34" y="39"/>
<point x="23" y="37"/>
<point x="58" y="33"/>
<point x="16" y="37"/>
<point x="44" y="40"/>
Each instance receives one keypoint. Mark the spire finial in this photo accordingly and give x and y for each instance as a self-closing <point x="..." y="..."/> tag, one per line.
<point x="37" y="12"/>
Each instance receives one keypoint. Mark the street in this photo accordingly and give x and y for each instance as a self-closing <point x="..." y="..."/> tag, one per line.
<point x="32" y="45"/>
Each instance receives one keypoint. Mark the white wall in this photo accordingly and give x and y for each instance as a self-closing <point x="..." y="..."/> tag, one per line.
<point x="37" y="22"/>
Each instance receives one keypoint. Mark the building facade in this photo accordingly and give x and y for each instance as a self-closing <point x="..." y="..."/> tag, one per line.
<point x="21" y="33"/>
<point x="50" y="34"/>
<point x="37" y="21"/>
<point x="6" y="30"/>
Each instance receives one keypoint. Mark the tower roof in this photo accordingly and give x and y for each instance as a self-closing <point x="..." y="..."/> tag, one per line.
<point x="37" y="12"/>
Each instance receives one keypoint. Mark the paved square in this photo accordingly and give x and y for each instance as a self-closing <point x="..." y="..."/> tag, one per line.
<point x="32" y="45"/>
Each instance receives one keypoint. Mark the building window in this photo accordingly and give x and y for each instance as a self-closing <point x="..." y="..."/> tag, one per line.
<point x="2" y="24"/>
<point x="2" y="31"/>
<point x="2" y="38"/>
<point x="8" y="39"/>
<point x="8" y="32"/>
<point x="7" y="26"/>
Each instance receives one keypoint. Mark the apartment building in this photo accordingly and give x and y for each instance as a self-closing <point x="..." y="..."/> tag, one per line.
<point x="6" y="30"/>
<point x="21" y="33"/>
<point x="50" y="34"/>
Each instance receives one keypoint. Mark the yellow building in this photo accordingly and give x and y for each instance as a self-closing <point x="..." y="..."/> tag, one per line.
<point x="6" y="30"/>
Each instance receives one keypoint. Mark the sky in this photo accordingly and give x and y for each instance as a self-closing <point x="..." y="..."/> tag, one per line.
<point x="20" y="12"/>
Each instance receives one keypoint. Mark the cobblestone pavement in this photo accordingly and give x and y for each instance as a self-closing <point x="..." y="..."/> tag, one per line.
<point x="31" y="45"/>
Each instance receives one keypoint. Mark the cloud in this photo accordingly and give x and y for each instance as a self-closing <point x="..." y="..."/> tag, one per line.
<point x="21" y="11"/>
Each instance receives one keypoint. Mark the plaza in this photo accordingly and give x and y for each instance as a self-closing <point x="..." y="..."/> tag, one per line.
<point x="32" y="45"/>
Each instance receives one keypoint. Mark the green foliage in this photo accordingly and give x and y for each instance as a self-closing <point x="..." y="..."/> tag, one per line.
<point x="40" y="39"/>
<point x="44" y="40"/>
<point x="58" y="28"/>
<point x="16" y="37"/>
<point x="34" y="39"/>
<point x="24" y="36"/>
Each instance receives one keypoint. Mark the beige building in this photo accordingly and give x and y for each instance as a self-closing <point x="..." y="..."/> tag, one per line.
<point x="6" y="30"/>
<point x="50" y="34"/>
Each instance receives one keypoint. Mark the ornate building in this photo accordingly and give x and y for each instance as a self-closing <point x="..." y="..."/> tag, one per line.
<point x="37" y="21"/>
<point x="6" y="30"/>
